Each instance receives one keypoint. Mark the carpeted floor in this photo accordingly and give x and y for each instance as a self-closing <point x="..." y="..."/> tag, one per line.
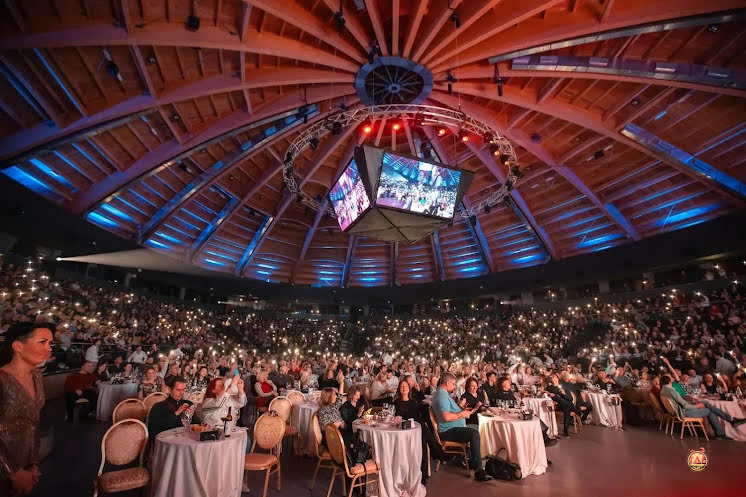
<point x="598" y="461"/>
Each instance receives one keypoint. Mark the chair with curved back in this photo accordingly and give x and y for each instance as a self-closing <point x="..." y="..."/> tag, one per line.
<point x="576" y="420"/>
<point x="325" y="458"/>
<point x="659" y="413"/>
<point x="336" y="446"/>
<point x="284" y="408"/>
<point x="268" y="433"/>
<point x="123" y="443"/>
<point x="686" y="422"/>
<point x="295" y="397"/>
<point x="153" y="399"/>
<point x="130" y="409"/>
<point x="452" y="448"/>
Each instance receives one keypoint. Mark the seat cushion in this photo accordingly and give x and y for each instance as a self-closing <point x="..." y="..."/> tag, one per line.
<point x="254" y="461"/>
<point x="125" y="479"/>
<point x="291" y="431"/>
<point x="454" y="445"/>
<point x="369" y="467"/>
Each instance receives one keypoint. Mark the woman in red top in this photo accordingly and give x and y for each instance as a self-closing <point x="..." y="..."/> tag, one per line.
<point x="264" y="390"/>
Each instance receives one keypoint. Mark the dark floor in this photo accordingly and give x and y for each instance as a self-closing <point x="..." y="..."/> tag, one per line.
<point x="598" y="461"/>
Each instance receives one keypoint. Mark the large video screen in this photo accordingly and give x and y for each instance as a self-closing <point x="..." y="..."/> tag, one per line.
<point x="348" y="196"/>
<point x="421" y="187"/>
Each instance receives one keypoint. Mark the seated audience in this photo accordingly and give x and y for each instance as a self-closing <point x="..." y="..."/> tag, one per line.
<point x="167" y="414"/>
<point x="81" y="385"/>
<point x="219" y="400"/>
<point x="151" y="383"/>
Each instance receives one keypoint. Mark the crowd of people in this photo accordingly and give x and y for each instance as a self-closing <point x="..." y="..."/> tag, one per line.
<point x="677" y="342"/>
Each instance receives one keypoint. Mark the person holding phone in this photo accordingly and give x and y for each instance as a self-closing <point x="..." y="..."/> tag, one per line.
<point x="474" y="399"/>
<point x="451" y="420"/>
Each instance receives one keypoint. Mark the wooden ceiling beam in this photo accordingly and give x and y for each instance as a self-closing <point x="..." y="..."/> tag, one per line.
<point x="437" y="20"/>
<point x="305" y="20"/>
<point x="353" y="26"/>
<point x="414" y="26"/>
<point x="377" y="22"/>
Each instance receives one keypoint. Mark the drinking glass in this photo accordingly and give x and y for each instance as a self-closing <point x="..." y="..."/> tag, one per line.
<point x="186" y="418"/>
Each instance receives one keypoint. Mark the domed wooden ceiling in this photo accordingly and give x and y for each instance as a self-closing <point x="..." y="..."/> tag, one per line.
<point x="627" y="117"/>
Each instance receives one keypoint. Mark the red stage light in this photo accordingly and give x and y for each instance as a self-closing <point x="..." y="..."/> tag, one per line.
<point x="464" y="136"/>
<point x="396" y="126"/>
<point x="367" y="129"/>
<point x="441" y="131"/>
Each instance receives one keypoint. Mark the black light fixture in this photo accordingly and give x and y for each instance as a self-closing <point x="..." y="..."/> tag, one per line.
<point x="427" y="150"/>
<point x="598" y="154"/>
<point x="336" y="128"/>
<point x="252" y="212"/>
<point x="635" y="102"/>
<point x="340" y="18"/>
<point x="509" y="185"/>
<point x="375" y="49"/>
<point x="112" y="68"/>
<point x="494" y="149"/>
<point x="505" y="159"/>
<point x="535" y="137"/>
<point x="456" y="19"/>
<point x="299" y="197"/>
<point x="487" y="208"/>
<point x="499" y="81"/>
<point x="516" y="171"/>
<point x="152" y="59"/>
<point x="487" y="137"/>
<point x="713" y="28"/>
<point x="175" y="117"/>
<point x="473" y="220"/>
<point x="288" y="158"/>
<point x="451" y="79"/>
<point x="192" y="23"/>
<point x="314" y="143"/>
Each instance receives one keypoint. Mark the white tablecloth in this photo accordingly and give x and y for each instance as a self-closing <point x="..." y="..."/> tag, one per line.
<point x="539" y="407"/>
<point x="110" y="395"/>
<point x="603" y="412"/>
<point x="736" y="411"/>
<point x="184" y="466"/>
<point x="399" y="455"/>
<point x="301" y="419"/>
<point x="522" y="440"/>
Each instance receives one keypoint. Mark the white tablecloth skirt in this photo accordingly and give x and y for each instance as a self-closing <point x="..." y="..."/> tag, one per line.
<point x="604" y="413"/>
<point x="399" y="455"/>
<point x="301" y="419"/>
<point x="110" y="395"/>
<point x="184" y="466"/>
<point x="736" y="411"/>
<point x="521" y="439"/>
<point x="539" y="408"/>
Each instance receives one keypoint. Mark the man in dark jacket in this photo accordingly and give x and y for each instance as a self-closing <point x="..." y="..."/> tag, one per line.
<point x="166" y="415"/>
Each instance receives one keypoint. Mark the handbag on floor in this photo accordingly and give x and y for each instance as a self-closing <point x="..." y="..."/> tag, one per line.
<point x="502" y="469"/>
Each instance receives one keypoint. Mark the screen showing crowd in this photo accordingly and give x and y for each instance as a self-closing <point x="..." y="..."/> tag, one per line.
<point x="348" y="196"/>
<point x="416" y="186"/>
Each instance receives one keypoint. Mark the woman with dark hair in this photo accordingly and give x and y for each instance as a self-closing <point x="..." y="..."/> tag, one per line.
<point x="472" y="398"/>
<point x="150" y="384"/>
<point x="26" y="347"/>
<point x="201" y="379"/>
<point x="408" y="408"/>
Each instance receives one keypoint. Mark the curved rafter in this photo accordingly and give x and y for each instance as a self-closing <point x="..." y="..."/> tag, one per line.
<point x="610" y="151"/>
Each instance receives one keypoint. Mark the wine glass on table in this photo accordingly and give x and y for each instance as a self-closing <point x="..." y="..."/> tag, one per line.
<point x="186" y="418"/>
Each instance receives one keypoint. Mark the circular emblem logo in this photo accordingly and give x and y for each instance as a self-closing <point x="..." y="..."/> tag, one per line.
<point x="697" y="459"/>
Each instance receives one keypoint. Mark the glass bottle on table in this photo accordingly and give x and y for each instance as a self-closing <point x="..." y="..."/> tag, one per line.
<point x="228" y="419"/>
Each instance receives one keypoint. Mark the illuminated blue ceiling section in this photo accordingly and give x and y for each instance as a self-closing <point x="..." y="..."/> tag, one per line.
<point x="694" y="164"/>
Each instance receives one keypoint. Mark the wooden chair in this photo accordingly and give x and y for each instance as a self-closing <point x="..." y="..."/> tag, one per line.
<point x="124" y="442"/>
<point x="575" y="418"/>
<point x="153" y="399"/>
<point x="658" y="412"/>
<point x="130" y="409"/>
<point x="295" y="397"/>
<point x="691" y="423"/>
<point x="325" y="458"/>
<point x="452" y="448"/>
<point x="284" y="408"/>
<point x="355" y="473"/>
<point x="268" y="433"/>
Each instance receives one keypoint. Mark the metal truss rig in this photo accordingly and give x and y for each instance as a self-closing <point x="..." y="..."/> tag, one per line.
<point x="424" y="115"/>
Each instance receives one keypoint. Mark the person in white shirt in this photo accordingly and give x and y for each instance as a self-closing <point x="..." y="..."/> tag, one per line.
<point x="91" y="353"/>
<point x="387" y="359"/>
<point x="219" y="399"/>
<point x="138" y="356"/>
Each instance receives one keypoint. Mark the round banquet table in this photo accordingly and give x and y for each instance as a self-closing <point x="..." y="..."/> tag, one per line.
<point x="399" y="455"/>
<point x="521" y="439"/>
<point x="735" y="410"/>
<point x="109" y="395"/>
<point x="182" y="465"/>
<point x="603" y="412"/>
<point x="301" y="419"/>
<point x="540" y="408"/>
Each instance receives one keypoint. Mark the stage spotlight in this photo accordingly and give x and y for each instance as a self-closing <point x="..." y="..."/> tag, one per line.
<point x="456" y="19"/>
<point x="516" y="171"/>
<point x="598" y="154"/>
<point x="336" y="127"/>
<point x="535" y="137"/>
<point x="192" y="23"/>
<point x="314" y="143"/>
<point x="494" y="149"/>
<point x="367" y="128"/>
<point x="505" y="159"/>
<point x="463" y="135"/>
<point x="288" y="158"/>
<point x="488" y="137"/>
<point x="396" y="126"/>
<point x="340" y="18"/>
<point x="509" y="185"/>
<point x="487" y="208"/>
<point x="442" y="131"/>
